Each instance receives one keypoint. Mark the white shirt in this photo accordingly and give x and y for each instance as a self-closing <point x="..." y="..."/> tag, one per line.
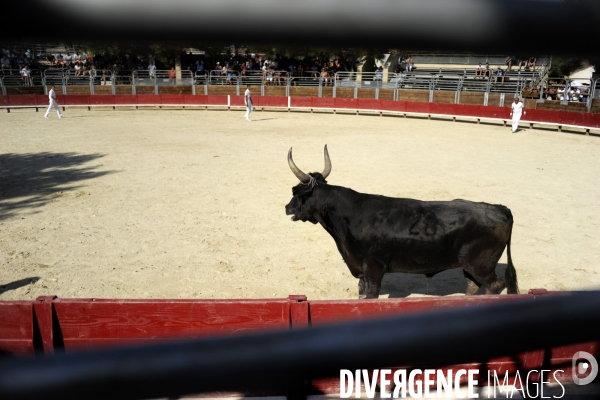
<point x="152" y="69"/>
<point x="247" y="97"/>
<point x="517" y="108"/>
<point x="25" y="72"/>
<point x="51" y="95"/>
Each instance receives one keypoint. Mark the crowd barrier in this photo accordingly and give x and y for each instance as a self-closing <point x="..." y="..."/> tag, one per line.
<point x="51" y="325"/>
<point x="560" y="119"/>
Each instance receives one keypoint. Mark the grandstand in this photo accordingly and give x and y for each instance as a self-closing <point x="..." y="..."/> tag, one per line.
<point x="436" y="78"/>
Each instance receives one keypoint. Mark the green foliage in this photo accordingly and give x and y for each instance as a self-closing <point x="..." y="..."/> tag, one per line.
<point x="564" y="66"/>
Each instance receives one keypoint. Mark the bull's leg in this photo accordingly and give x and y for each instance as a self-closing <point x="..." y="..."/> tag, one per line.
<point x="362" y="289"/>
<point x="373" y="277"/>
<point x="472" y="284"/>
<point x="482" y="267"/>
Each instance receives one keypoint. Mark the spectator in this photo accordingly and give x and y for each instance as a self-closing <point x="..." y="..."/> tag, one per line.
<point x="324" y="76"/>
<point x="26" y="76"/>
<point x="28" y="54"/>
<point x="535" y="93"/>
<point x="479" y="71"/>
<point x="152" y="71"/>
<point x="50" y="58"/>
<point x="172" y="75"/>
<point x="68" y="60"/>
<point x="21" y="61"/>
<point x="5" y="62"/>
<point x="77" y="57"/>
<point x="522" y="62"/>
<point x="487" y="71"/>
<point x="531" y="63"/>
<point x="60" y="60"/>
<point x="409" y="64"/>
<point x="314" y="71"/>
<point x="378" y="77"/>
<point x="499" y="75"/>
<point x="77" y="69"/>
<point x="277" y="78"/>
<point x="509" y="61"/>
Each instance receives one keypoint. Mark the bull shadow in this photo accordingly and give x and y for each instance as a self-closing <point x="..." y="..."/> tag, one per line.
<point x="450" y="282"/>
<point x="29" y="181"/>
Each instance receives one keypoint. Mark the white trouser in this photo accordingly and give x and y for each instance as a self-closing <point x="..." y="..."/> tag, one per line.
<point x="55" y="105"/>
<point x="515" y="121"/>
<point x="248" y="110"/>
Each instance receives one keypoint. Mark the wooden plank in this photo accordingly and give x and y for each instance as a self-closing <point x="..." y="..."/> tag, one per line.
<point x="364" y="93"/>
<point x="304" y="91"/>
<point x="175" y="89"/>
<point x="78" y="89"/>
<point x="16" y="327"/>
<point x="91" y="323"/>
<point x="273" y="91"/>
<point x="386" y="94"/>
<point x="327" y="92"/>
<point x="123" y="89"/>
<point x="102" y="89"/>
<point x="227" y="89"/>
<point x="557" y="106"/>
<point x="414" y="95"/>
<point x="344" y="93"/>
<point x="441" y="96"/>
<point x="474" y="98"/>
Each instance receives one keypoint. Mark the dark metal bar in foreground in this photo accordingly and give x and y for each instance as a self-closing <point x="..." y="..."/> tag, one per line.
<point x="261" y="360"/>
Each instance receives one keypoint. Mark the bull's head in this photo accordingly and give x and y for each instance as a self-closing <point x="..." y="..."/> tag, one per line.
<point x="301" y="208"/>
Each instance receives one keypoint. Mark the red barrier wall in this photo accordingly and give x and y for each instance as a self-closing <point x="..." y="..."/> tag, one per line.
<point x="580" y="119"/>
<point x="16" y="327"/>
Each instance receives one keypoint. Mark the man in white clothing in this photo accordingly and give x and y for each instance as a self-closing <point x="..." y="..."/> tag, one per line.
<point x="516" y="111"/>
<point x="53" y="103"/>
<point x="248" y="103"/>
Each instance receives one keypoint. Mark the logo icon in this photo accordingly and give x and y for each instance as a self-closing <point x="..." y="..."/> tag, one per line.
<point x="584" y="363"/>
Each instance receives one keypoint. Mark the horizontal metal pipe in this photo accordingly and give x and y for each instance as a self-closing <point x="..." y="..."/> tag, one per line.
<point x="262" y="360"/>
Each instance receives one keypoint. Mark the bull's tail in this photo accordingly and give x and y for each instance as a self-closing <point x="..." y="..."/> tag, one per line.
<point x="510" y="275"/>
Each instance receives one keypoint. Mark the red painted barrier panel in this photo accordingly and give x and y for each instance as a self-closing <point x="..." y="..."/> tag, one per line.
<point x="171" y="99"/>
<point x="370" y="104"/>
<point x="22" y="100"/>
<point x="126" y="99"/>
<point x="346" y="103"/>
<point x="16" y="327"/>
<point x="391" y="105"/>
<point x="494" y="112"/>
<point x="87" y="323"/>
<point x="418" y="107"/>
<point x="320" y="102"/>
<point x="271" y="101"/>
<point x="190" y="99"/>
<point x="102" y="99"/>
<point x="236" y="101"/>
<point x="4" y="101"/>
<point x="217" y="100"/>
<point x="42" y="100"/>
<point x="150" y="99"/>
<point x="442" y="108"/>
<point x="75" y="100"/>
<point x="303" y="102"/>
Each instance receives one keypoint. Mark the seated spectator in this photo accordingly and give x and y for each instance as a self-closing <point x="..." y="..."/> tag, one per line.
<point x="51" y="60"/>
<point x="479" y="71"/>
<point x="499" y="75"/>
<point x="509" y="61"/>
<point x="314" y="71"/>
<point x="77" y="69"/>
<point x="28" y="54"/>
<point x="77" y="57"/>
<point x="21" y="61"/>
<point x="60" y="60"/>
<point x="277" y="78"/>
<point x="487" y="71"/>
<point x="531" y="63"/>
<point x="535" y="93"/>
<point x="5" y="62"/>
<point x="68" y="60"/>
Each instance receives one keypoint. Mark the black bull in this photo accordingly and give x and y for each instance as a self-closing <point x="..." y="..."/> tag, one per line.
<point x="378" y="234"/>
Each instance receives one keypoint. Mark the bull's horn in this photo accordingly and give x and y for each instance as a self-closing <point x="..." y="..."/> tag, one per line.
<point x="327" y="169"/>
<point x="304" y="178"/>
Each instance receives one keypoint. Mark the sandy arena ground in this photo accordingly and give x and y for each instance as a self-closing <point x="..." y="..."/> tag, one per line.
<point x="190" y="204"/>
